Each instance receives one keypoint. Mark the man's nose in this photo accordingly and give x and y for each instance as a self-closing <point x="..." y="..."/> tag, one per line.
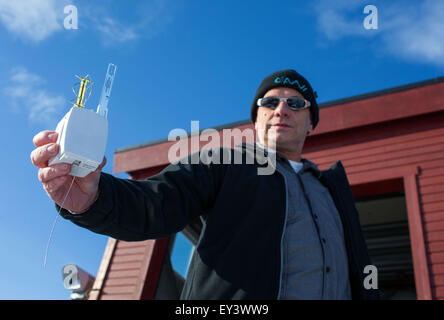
<point x="282" y="109"/>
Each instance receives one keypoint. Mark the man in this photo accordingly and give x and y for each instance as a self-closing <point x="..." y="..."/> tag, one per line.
<point x="292" y="234"/>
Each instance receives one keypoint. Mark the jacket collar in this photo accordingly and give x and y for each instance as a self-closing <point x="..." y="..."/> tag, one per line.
<point x="310" y="166"/>
<point x="307" y="165"/>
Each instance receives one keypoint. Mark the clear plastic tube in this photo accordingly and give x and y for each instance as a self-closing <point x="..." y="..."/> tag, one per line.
<point x="102" y="108"/>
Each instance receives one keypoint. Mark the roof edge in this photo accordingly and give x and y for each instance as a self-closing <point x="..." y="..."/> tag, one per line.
<point x="382" y="92"/>
<point x="326" y="104"/>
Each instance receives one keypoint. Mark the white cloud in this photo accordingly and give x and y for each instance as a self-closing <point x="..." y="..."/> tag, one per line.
<point x="418" y="33"/>
<point x="338" y="19"/>
<point x="410" y="30"/>
<point x="148" y="19"/>
<point x="32" y="19"/>
<point x="115" y="32"/>
<point x="37" y="20"/>
<point x="26" y="95"/>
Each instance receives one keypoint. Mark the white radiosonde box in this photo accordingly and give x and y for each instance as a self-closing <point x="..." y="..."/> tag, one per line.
<point x="82" y="137"/>
<point x="83" y="133"/>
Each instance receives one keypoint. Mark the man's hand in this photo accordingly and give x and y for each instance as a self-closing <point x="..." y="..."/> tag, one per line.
<point x="56" y="179"/>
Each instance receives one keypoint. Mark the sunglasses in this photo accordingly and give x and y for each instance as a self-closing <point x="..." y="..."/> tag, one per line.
<point x="294" y="103"/>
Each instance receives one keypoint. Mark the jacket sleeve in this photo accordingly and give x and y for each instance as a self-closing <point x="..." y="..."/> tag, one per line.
<point x="159" y="206"/>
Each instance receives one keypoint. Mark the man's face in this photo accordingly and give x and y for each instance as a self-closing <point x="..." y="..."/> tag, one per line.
<point x="288" y="128"/>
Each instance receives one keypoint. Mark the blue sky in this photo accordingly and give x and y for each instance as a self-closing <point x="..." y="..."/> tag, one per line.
<point x="178" y="61"/>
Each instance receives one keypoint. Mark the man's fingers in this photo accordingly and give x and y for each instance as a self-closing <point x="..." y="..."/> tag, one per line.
<point x="48" y="173"/>
<point x="44" y="137"/>
<point x="53" y="185"/>
<point x="55" y="188"/>
<point x="41" y="155"/>
<point x="102" y="164"/>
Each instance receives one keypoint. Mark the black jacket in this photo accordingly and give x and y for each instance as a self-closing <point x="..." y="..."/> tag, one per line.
<point x="243" y="215"/>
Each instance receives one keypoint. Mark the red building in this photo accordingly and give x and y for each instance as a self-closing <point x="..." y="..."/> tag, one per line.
<point x="391" y="143"/>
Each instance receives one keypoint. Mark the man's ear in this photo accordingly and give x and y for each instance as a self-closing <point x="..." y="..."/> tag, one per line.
<point x="255" y="124"/>
<point x="310" y="127"/>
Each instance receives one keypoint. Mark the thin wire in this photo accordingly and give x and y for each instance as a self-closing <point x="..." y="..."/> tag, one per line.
<point x="54" y="223"/>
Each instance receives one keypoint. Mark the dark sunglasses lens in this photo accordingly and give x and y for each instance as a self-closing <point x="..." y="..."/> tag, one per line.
<point x="296" y="103"/>
<point x="270" y="102"/>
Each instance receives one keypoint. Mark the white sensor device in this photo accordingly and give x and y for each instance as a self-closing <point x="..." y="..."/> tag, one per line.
<point x="83" y="133"/>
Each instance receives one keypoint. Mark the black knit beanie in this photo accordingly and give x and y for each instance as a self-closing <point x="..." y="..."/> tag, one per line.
<point x="289" y="79"/>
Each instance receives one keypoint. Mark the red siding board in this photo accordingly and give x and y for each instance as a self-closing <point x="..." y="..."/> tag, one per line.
<point x="435" y="226"/>
<point x="116" y="297"/>
<point x="124" y="274"/>
<point x="435" y="216"/>
<point x="438" y="280"/>
<point x="392" y="159"/>
<point x="130" y="251"/>
<point x="437" y="257"/>
<point x="432" y="189"/>
<point x="392" y="163"/>
<point x="429" y="166"/>
<point x="124" y="281"/>
<point x="434" y="236"/>
<point x="432" y="179"/>
<point x="433" y="206"/>
<point x="432" y="197"/>
<point x="386" y="143"/>
<point x="127" y="258"/>
<point x="437" y="268"/>
<point x="360" y="153"/>
<point x="118" y="289"/>
<point x="124" y="244"/>
<point x="437" y="246"/>
<point x="439" y="292"/>
<point x="125" y="266"/>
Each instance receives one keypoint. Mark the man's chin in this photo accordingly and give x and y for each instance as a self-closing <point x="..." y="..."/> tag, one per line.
<point x="277" y="141"/>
